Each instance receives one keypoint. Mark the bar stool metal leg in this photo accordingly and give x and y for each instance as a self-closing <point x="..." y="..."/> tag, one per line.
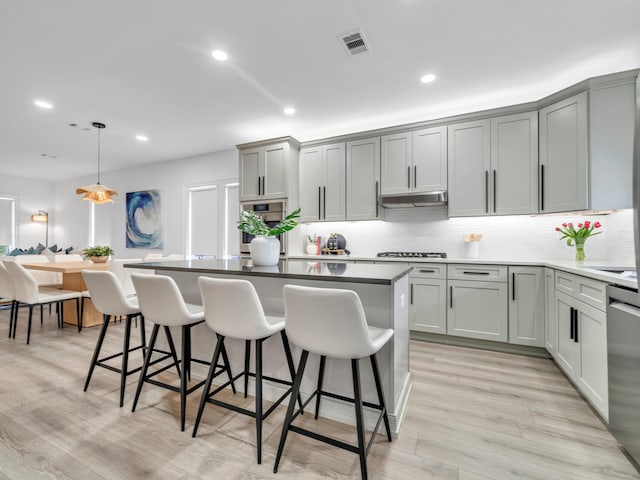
<point x="96" y="351"/>
<point x="259" y="416"/>
<point x="323" y="359"/>
<point x="376" y="377"/>
<point x="125" y="359"/>
<point x="355" y="368"/>
<point x="145" y="365"/>
<point x="247" y="356"/>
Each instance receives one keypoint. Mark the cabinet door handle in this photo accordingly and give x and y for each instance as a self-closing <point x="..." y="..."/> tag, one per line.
<point x="408" y="177"/>
<point x="375" y="197"/>
<point x="476" y="273"/>
<point x="575" y="325"/>
<point x="324" y="202"/>
<point x="513" y="286"/>
<point x="486" y="190"/>
<point x="259" y="192"/>
<point x="451" y="296"/>
<point x="541" y="187"/>
<point x="494" y="191"/>
<point x="411" y="295"/>
<point x="571" y="331"/>
<point x="426" y="271"/>
<point x="415" y="176"/>
<point x="319" y="201"/>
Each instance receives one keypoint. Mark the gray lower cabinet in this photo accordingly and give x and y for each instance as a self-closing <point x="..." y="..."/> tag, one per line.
<point x="582" y="338"/>
<point x="428" y="310"/>
<point x="477" y="302"/>
<point x="526" y="306"/>
<point x="550" y="319"/>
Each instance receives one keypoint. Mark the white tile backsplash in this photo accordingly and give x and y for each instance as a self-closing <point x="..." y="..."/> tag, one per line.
<point x="427" y="229"/>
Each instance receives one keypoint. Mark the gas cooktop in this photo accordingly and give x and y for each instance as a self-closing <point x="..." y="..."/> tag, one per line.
<point x="412" y="255"/>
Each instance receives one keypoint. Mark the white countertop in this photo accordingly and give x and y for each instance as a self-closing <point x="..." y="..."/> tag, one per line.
<point x="570" y="266"/>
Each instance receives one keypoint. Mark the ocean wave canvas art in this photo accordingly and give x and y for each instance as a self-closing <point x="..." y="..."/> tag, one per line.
<point x="144" y="219"/>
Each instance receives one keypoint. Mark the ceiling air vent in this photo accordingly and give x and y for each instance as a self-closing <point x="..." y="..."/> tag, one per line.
<point x="354" y="42"/>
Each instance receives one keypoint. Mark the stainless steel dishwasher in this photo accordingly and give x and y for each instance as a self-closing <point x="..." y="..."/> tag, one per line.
<point x="623" y="342"/>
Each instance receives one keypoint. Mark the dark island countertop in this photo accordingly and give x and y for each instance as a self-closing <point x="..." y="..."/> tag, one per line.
<point x="383" y="274"/>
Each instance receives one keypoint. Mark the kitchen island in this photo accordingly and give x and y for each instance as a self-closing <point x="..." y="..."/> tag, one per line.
<point x="383" y="289"/>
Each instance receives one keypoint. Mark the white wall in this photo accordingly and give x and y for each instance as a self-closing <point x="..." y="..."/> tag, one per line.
<point x="427" y="229"/>
<point x="171" y="178"/>
<point x="31" y="196"/>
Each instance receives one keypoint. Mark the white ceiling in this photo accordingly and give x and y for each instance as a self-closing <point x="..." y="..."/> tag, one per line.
<point x="145" y="66"/>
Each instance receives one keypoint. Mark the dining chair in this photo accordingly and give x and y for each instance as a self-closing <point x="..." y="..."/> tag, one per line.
<point x="7" y="292"/>
<point x="28" y="293"/>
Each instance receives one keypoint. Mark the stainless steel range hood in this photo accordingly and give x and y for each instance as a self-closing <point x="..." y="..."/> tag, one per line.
<point x="413" y="200"/>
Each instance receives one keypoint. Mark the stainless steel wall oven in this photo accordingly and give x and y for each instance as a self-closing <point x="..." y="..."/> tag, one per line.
<point x="272" y="213"/>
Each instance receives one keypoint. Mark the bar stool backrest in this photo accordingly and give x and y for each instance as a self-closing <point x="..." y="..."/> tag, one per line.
<point x="116" y="265"/>
<point x="326" y="321"/>
<point x="160" y="299"/>
<point x="24" y="284"/>
<point x="6" y="284"/>
<point x="232" y="308"/>
<point x="107" y="294"/>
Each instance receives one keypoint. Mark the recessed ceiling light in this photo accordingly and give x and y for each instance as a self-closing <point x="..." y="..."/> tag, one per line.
<point x="43" y="104"/>
<point x="219" y="55"/>
<point x="289" y="111"/>
<point x="428" y="78"/>
<point x="142" y="138"/>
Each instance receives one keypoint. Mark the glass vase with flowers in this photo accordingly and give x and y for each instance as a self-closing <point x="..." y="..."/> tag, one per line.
<point x="577" y="236"/>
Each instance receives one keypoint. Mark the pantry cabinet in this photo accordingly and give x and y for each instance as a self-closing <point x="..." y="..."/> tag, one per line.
<point x="322" y="183"/>
<point x="363" y="179"/>
<point x="493" y="166"/>
<point x="414" y="162"/>
<point x="268" y="170"/>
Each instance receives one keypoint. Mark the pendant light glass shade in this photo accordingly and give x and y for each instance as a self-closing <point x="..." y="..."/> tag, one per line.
<point x="96" y="192"/>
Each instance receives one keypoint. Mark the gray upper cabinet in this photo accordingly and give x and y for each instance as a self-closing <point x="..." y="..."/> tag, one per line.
<point x="266" y="169"/>
<point x="363" y="179"/>
<point x="493" y="166"/>
<point x="469" y="165"/>
<point x="586" y="146"/>
<point x="564" y="155"/>
<point x="322" y="183"/>
<point x="514" y="164"/>
<point x="414" y="162"/>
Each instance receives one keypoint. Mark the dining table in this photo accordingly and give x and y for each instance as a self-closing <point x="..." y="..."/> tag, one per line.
<point x="72" y="280"/>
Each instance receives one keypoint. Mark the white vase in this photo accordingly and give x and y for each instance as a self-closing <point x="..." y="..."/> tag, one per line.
<point x="312" y="249"/>
<point x="265" y="251"/>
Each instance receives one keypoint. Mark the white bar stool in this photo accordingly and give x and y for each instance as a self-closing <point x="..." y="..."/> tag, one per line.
<point x="331" y="323"/>
<point x="109" y="297"/>
<point x="232" y="309"/>
<point x="161" y="302"/>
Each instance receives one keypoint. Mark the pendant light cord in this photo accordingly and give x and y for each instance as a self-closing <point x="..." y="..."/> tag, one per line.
<point x="99" y="155"/>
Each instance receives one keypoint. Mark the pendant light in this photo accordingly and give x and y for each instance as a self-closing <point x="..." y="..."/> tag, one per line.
<point x="96" y="192"/>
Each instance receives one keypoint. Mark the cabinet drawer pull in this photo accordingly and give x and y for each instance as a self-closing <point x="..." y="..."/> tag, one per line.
<point x="494" y="191"/>
<point x="571" y="334"/>
<point x="541" y="187"/>
<point x="324" y="203"/>
<point x="476" y="273"/>
<point x="486" y="190"/>
<point x="451" y="296"/>
<point x="426" y="271"/>
<point x="513" y="286"/>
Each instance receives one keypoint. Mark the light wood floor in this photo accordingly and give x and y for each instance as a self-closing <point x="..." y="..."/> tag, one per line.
<point x="472" y="415"/>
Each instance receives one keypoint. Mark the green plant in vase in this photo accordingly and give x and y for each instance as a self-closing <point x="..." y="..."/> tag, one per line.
<point x="578" y="236"/>
<point x="98" y="254"/>
<point x="265" y="246"/>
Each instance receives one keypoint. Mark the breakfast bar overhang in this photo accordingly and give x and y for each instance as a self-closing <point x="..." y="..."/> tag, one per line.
<point x="383" y="290"/>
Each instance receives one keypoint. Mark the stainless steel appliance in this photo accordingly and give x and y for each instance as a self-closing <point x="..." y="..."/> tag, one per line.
<point x="623" y="333"/>
<point x="411" y="255"/>
<point x="272" y="213"/>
